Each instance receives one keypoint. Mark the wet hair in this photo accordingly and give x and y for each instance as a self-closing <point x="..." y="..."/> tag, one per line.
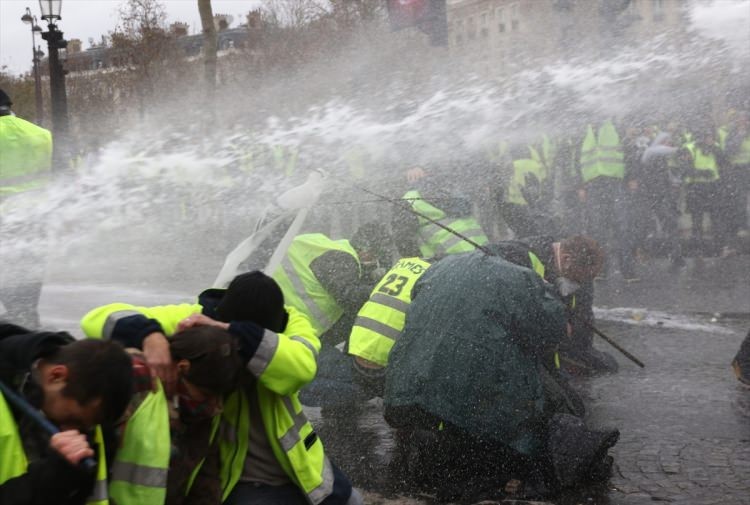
<point x="97" y="369"/>
<point x="256" y="297"/>
<point x="212" y="352"/>
<point x="586" y="257"/>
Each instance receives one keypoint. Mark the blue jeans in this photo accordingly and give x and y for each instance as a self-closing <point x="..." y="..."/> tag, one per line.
<point x="250" y="493"/>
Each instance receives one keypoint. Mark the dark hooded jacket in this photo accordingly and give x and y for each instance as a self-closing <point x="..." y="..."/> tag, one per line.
<point x="49" y="478"/>
<point x="475" y="337"/>
<point x="580" y="304"/>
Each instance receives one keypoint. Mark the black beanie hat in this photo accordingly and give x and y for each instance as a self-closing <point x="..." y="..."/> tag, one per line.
<point x="5" y="99"/>
<point x="255" y="297"/>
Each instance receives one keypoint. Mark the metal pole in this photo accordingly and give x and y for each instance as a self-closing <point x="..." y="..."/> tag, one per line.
<point x="37" y="80"/>
<point x="59" y="100"/>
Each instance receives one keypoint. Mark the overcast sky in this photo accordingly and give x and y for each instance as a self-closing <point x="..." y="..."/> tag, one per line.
<point x="82" y="19"/>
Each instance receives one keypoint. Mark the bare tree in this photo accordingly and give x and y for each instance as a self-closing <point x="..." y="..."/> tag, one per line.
<point x="142" y="41"/>
<point x="209" y="48"/>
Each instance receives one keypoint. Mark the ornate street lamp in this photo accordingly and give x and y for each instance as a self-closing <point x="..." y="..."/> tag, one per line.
<point x="55" y="42"/>
<point x="50" y="10"/>
<point x="31" y="20"/>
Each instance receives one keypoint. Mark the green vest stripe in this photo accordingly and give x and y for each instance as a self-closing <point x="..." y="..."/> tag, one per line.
<point x="112" y="320"/>
<point x="139" y="475"/>
<point x="325" y="488"/>
<point x="99" y="493"/>
<point x="306" y="343"/>
<point x="377" y="327"/>
<point x="291" y="437"/>
<point x="434" y="237"/>
<point x="389" y="301"/>
<point x="453" y="240"/>
<point x="141" y="465"/>
<point x="262" y="357"/>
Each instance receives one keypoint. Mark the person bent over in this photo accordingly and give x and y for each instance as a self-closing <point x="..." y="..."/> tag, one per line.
<point x="464" y="387"/>
<point x="76" y="385"/>
<point x="269" y="452"/>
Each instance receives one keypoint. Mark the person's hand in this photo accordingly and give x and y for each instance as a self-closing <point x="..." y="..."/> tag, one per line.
<point x="71" y="445"/>
<point x="159" y="360"/>
<point x="582" y="195"/>
<point x="415" y="173"/>
<point x="200" y="320"/>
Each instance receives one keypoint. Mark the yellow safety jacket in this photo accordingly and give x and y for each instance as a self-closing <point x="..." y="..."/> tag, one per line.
<point x="381" y="319"/>
<point x="705" y="164"/>
<point x="435" y="240"/>
<point x="301" y="288"/>
<point x="139" y="471"/>
<point x="283" y="364"/>
<point x="521" y="168"/>
<point x="25" y="155"/>
<point x="601" y="153"/>
<point x="14" y="463"/>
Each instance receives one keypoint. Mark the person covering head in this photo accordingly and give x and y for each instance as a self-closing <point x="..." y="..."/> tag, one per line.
<point x="76" y="385"/>
<point x="254" y="296"/>
<point x="580" y="258"/>
<point x="207" y="357"/>
<point x="85" y="383"/>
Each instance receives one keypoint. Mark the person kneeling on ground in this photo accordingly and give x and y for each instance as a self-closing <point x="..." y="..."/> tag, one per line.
<point x="76" y="385"/>
<point x="464" y="388"/>
<point x="269" y="451"/>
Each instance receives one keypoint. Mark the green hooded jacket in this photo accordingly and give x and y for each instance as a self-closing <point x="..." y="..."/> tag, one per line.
<point x="475" y="336"/>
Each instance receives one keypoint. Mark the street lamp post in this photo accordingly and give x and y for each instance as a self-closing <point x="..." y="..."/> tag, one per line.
<point x="31" y="20"/>
<point x="55" y="42"/>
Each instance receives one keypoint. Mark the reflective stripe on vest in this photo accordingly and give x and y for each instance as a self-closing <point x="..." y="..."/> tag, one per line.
<point x="381" y="319"/>
<point x="113" y="318"/>
<point x="139" y="472"/>
<point x="436" y="240"/>
<point x="262" y="357"/>
<point x="13" y="460"/>
<point x="601" y="154"/>
<point x="295" y="444"/>
<point x="99" y="495"/>
<point x="301" y="288"/>
<point x="705" y="164"/>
